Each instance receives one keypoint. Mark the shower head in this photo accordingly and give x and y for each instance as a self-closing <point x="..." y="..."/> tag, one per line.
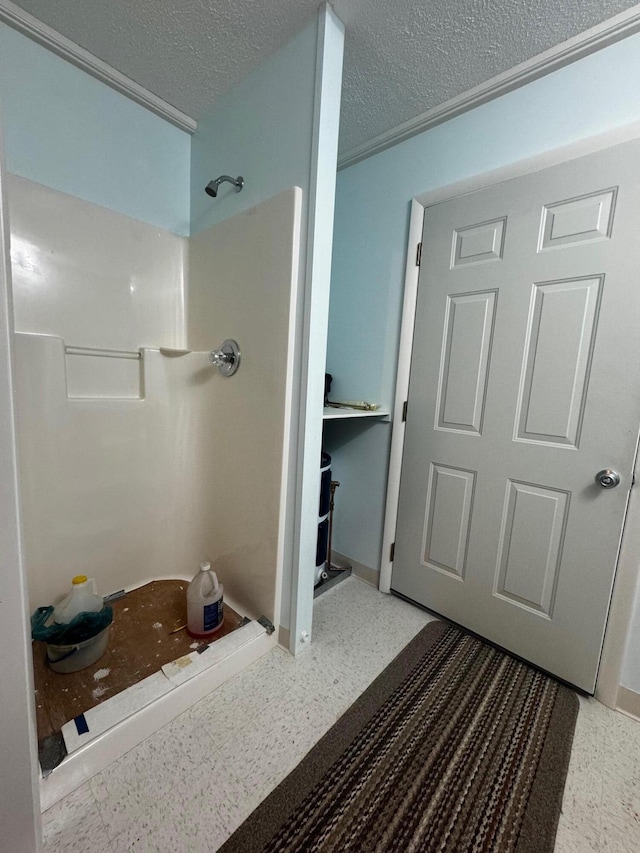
<point x="212" y="187"/>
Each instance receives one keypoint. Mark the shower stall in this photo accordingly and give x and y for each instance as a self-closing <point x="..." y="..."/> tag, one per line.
<point x="139" y="458"/>
<point x="125" y="454"/>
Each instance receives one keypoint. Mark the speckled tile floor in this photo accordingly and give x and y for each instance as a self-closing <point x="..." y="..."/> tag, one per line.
<point x="187" y="787"/>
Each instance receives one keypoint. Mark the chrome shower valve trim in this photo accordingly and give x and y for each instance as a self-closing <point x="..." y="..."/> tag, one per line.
<point x="227" y="357"/>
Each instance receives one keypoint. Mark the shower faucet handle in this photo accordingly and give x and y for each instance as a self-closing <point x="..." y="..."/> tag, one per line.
<point x="227" y="357"/>
<point x="218" y="357"/>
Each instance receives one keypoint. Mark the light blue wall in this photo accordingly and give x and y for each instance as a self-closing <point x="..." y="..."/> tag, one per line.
<point x="261" y="129"/>
<point x="66" y="130"/>
<point x="372" y="214"/>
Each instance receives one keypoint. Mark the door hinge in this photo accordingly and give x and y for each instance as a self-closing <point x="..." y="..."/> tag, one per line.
<point x="405" y="406"/>
<point x="392" y="552"/>
<point x="418" y="254"/>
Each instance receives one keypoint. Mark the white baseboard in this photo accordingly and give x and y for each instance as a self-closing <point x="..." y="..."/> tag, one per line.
<point x="359" y="570"/>
<point x="284" y="636"/>
<point x="628" y="701"/>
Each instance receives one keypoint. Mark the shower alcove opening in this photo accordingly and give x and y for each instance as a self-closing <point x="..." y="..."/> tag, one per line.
<point x="138" y="459"/>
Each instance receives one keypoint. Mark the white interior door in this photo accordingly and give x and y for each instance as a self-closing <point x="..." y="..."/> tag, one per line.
<point x="524" y="384"/>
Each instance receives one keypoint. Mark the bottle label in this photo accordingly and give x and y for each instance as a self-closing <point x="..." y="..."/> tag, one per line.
<point x="212" y="615"/>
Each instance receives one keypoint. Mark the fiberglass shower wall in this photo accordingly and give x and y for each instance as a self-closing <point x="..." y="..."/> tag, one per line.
<point x="138" y="458"/>
<point x="89" y="278"/>
<point x="243" y="275"/>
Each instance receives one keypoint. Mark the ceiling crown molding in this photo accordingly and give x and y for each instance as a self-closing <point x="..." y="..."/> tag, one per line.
<point x="610" y="31"/>
<point x="30" y="26"/>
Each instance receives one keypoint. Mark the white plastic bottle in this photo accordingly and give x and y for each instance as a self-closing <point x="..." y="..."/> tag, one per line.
<point x="81" y="599"/>
<point x="205" y="612"/>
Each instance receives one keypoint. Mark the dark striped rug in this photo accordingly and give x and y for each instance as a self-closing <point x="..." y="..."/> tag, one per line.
<point x="455" y="747"/>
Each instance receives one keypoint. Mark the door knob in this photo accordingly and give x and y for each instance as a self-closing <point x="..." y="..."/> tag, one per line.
<point x="607" y="478"/>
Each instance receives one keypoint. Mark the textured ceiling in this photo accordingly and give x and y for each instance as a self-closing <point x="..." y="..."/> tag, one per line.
<point x="402" y="57"/>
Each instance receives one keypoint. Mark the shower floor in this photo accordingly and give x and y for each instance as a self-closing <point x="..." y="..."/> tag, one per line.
<point x="140" y="643"/>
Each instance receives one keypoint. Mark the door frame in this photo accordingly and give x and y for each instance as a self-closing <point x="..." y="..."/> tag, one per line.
<point x="20" y="805"/>
<point x="626" y="574"/>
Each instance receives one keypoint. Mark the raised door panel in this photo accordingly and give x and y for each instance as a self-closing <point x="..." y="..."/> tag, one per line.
<point x="578" y="220"/>
<point x="464" y="363"/>
<point x="557" y="361"/>
<point x="530" y="550"/>
<point x="479" y="243"/>
<point x="447" y="519"/>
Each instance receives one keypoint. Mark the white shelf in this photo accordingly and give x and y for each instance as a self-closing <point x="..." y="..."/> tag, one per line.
<point x="331" y="414"/>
